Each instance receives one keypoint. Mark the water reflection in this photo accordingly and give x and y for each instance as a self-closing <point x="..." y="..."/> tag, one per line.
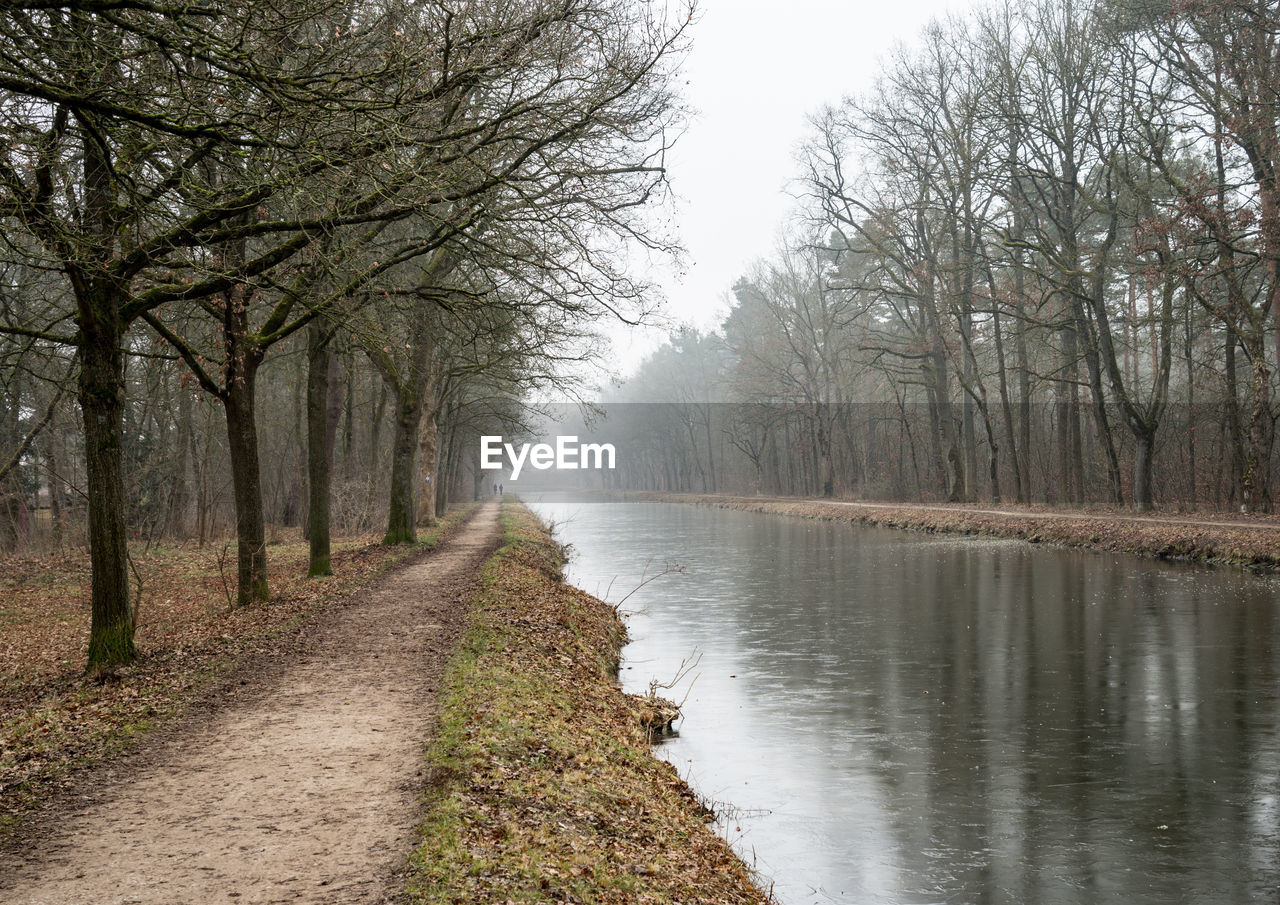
<point x="898" y="718"/>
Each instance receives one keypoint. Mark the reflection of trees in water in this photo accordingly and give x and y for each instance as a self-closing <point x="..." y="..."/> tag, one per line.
<point x="1041" y="726"/>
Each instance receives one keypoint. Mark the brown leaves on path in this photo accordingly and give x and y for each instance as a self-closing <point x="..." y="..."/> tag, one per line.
<point x="54" y="719"/>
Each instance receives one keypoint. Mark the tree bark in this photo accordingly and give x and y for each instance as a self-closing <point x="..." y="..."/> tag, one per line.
<point x="449" y="473"/>
<point x="1235" y="429"/>
<point x="319" y="456"/>
<point x="180" y="500"/>
<point x="1142" y="462"/>
<point x="55" y="486"/>
<point x="1006" y="408"/>
<point x="402" y="516"/>
<point x="246" y="482"/>
<point x="11" y="471"/>
<point x="1255" y="483"/>
<point x="428" y="468"/>
<point x="101" y="395"/>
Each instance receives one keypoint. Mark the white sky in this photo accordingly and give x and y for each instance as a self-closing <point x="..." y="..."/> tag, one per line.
<point x="756" y="71"/>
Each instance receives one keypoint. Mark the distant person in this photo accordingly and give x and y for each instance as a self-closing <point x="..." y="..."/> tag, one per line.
<point x="500" y="490"/>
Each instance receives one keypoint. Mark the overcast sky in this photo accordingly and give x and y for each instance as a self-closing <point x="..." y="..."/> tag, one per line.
<point x="756" y="71"/>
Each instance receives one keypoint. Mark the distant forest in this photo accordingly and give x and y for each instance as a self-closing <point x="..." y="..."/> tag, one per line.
<point x="283" y="263"/>
<point x="1039" y="262"/>
<point x="275" y="262"/>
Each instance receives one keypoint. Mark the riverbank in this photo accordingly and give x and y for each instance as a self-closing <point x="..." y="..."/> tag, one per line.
<point x="1249" y="541"/>
<point x="55" y="722"/>
<point x="542" y="786"/>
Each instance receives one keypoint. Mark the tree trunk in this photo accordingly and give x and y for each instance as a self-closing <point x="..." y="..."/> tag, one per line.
<point x="10" y="480"/>
<point x="1142" y="463"/>
<point x="711" y="455"/>
<point x="319" y="458"/>
<point x="246" y="482"/>
<point x="479" y="480"/>
<point x="1070" y="452"/>
<point x="101" y="394"/>
<point x="1188" y="350"/>
<point x="374" y="462"/>
<point x="200" y="467"/>
<point x="402" y="516"/>
<point x="969" y="431"/>
<point x="428" y="468"/>
<point x="1256" y="482"/>
<point x="1024" y="400"/>
<point x="348" y="415"/>
<point x="826" y="448"/>
<point x="1234" y="425"/>
<point x="1097" y="395"/>
<point x="54" y="461"/>
<point x="449" y="474"/>
<point x="180" y="500"/>
<point x="446" y="467"/>
<point x="1006" y="408"/>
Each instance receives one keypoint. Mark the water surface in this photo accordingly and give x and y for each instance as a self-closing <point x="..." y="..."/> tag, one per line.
<point x="890" y="717"/>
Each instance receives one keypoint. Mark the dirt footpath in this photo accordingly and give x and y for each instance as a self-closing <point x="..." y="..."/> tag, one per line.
<point x="297" y="784"/>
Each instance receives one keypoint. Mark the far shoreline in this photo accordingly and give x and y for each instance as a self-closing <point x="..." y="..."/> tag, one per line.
<point x="1245" y="541"/>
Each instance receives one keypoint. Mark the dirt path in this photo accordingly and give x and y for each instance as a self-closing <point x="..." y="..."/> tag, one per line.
<point x="299" y="785"/>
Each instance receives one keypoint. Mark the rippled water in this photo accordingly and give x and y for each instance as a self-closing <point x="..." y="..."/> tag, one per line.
<point x="888" y="717"/>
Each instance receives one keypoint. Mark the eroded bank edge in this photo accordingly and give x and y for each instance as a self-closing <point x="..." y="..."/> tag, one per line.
<point x="542" y="783"/>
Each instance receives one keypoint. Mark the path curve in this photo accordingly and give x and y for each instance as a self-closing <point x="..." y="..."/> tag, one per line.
<point x="300" y="786"/>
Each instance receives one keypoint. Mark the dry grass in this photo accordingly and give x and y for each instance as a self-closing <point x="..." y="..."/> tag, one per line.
<point x="543" y="785"/>
<point x="54" y="719"/>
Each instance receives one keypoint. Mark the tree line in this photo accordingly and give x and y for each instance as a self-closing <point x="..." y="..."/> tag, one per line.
<point x="274" y="251"/>
<point x="1039" y="260"/>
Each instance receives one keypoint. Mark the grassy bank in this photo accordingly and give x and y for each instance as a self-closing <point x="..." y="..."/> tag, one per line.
<point x="543" y="787"/>
<point x="1253" y="542"/>
<point x="54" y="720"/>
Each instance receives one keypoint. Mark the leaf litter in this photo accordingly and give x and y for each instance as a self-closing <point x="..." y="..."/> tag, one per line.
<point x="55" y="720"/>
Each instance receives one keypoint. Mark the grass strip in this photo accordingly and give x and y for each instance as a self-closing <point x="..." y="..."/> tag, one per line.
<point x="543" y="787"/>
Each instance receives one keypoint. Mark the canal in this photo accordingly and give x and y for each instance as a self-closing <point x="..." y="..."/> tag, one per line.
<point x="890" y="717"/>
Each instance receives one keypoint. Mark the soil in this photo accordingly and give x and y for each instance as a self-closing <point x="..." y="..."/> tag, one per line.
<point x="297" y="780"/>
